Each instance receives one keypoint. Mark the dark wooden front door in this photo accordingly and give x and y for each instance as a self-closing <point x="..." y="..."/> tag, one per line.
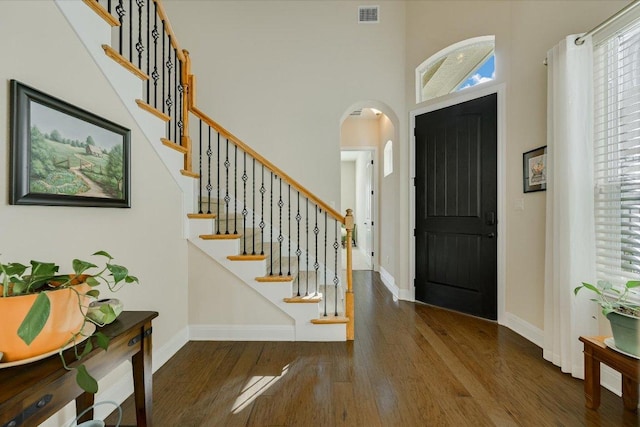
<point x="456" y="207"/>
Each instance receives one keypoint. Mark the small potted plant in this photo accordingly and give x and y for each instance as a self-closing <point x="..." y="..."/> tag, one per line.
<point x="622" y="311"/>
<point x="42" y="311"/>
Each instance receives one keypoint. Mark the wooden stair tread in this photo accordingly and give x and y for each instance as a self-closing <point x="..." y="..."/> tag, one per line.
<point x="274" y="279"/>
<point x="153" y="110"/>
<point x="179" y="148"/>
<point x="246" y="257"/>
<point x="219" y="236"/>
<point x="330" y="320"/>
<point x="304" y="299"/>
<point x="113" y="54"/>
<point x="201" y="216"/>
<point x="190" y="174"/>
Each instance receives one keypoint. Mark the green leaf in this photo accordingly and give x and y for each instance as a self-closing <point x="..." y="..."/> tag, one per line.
<point x="93" y="293"/>
<point x="131" y="279"/>
<point x="119" y="272"/>
<point x="35" y="319"/>
<point x="14" y="269"/>
<point x="87" y="349"/>
<point x="109" y="314"/>
<point x="86" y="381"/>
<point x="104" y="254"/>
<point x="102" y="340"/>
<point x="19" y="285"/>
<point x="591" y="288"/>
<point x="632" y="284"/>
<point x="92" y="281"/>
<point x="80" y="266"/>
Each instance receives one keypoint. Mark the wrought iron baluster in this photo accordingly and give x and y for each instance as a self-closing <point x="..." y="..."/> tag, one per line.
<point x="280" y="237"/>
<point x="163" y="66"/>
<point x="131" y="31"/>
<point x="324" y="282"/>
<point x="109" y="6"/>
<point x="209" y="187"/>
<point x="121" y="14"/>
<point x="139" y="45"/>
<point x="148" y="49"/>
<point x="200" y="167"/>
<point x="218" y="185"/>
<point x="179" y="102"/>
<point x="289" y="234"/>
<point x="169" y="100"/>
<point x="244" y="197"/>
<point x="271" y="226"/>
<point x="298" y="251"/>
<point x="154" y="75"/>
<point x="335" y="265"/>
<point x="176" y="101"/>
<point x="235" y="190"/>
<point x="316" y="264"/>
<point x="262" y="191"/>
<point x="227" y="199"/>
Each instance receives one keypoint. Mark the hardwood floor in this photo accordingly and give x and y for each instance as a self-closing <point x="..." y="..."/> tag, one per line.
<point x="411" y="365"/>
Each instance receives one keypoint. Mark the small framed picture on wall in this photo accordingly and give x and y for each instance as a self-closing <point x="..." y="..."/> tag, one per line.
<point x="534" y="165"/>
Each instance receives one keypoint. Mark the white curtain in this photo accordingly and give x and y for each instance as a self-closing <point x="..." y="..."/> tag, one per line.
<point x="570" y="233"/>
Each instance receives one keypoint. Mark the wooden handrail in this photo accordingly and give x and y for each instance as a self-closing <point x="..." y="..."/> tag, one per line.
<point x="273" y="168"/>
<point x="167" y="27"/>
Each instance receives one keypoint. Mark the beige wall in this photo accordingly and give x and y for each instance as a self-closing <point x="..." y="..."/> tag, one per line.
<point x="41" y="50"/>
<point x="388" y="210"/>
<point x="524" y="31"/>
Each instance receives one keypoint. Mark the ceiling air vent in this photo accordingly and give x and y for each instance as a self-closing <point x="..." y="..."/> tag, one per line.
<point x="368" y="14"/>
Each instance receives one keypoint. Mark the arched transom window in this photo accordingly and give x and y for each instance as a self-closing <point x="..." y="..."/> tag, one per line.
<point x="457" y="67"/>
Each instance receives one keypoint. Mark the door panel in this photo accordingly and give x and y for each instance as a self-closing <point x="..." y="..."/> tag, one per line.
<point x="456" y="204"/>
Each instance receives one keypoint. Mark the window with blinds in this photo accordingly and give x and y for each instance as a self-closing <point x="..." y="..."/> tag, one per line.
<point x="617" y="155"/>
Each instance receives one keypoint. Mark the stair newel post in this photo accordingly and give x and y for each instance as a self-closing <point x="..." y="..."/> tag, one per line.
<point x="187" y="92"/>
<point x="349" y="297"/>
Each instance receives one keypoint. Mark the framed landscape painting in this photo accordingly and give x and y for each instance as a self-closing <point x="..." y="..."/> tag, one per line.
<point x="63" y="155"/>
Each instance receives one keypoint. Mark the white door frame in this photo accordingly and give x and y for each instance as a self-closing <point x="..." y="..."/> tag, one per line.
<point x="453" y="99"/>
<point x="376" y="227"/>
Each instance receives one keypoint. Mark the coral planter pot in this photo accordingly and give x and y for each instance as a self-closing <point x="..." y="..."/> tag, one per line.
<point x="65" y="320"/>
<point x="626" y="332"/>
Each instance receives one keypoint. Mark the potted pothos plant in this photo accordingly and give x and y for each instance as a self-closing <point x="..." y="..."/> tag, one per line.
<point x="622" y="308"/>
<point x="42" y="311"/>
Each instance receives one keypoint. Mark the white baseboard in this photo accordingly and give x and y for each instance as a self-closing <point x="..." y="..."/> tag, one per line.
<point x="524" y="328"/>
<point x="389" y="282"/>
<point x="242" y="332"/>
<point x="163" y="354"/>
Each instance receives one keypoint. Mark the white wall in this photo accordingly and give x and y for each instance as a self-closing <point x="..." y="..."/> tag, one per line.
<point x="41" y="50"/>
<point x="389" y="237"/>
<point x="524" y="31"/>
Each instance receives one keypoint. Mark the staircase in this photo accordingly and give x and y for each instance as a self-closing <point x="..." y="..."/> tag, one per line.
<point x="241" y="210"/>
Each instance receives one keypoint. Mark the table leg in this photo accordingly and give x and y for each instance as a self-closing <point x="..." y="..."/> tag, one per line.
<point x="630" y="394"/>
<point x="591" y="379"/>
<point x="142" y="381"/>
<point x="84" y="401"/>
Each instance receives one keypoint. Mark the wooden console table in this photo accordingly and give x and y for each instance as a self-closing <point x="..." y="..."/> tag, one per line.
<point x="29" y="394"/>
<point x="596" y="352"/>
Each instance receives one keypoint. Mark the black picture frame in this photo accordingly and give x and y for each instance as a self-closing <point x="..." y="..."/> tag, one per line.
<point x="534" y="170"/>
<point x="62" y="155"/>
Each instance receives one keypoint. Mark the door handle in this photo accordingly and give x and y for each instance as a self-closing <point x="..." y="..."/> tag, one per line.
<point x="491" y="235"/>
